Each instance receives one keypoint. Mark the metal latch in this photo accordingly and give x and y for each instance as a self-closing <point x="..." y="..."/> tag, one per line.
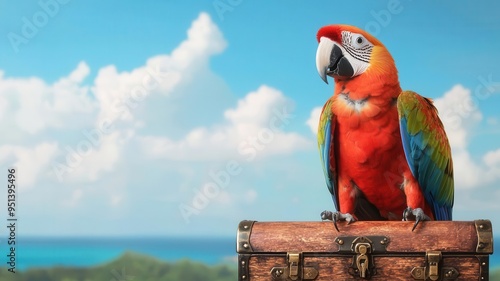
<point x="364" y="247"/>
<point x="432" y="270"/>
<point x="362" y="264"/>
<point x="362" y="261"/>
<point x="294" y="271"/>
<point x="433" y="259"/>
<point x="293" y="261"/>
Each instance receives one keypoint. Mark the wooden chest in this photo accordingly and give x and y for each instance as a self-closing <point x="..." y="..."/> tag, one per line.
<point x="375" y="250"/>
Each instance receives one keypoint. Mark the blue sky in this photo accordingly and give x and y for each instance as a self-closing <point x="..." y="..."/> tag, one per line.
<point x="119" y="114"/>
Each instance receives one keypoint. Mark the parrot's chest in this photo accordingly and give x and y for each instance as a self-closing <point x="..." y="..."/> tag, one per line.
<point x="369" y="152"/>
<point x="367" y="139"/>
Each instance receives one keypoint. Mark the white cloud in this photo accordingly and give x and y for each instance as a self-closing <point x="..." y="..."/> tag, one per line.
<point x="34" y="105"/>
<point x="4" y="104"/>
<point x="30" y="163"/>
<point x="121" y="93"/>
<point x="92" y="161"/>
<point x="257" y="107"/>
<point x="173" y="107"/>
<point x="80" y="73"/>
<point x="251" y="195"/>
<point x="459" y="111"/>
<point x="204" y="40"/>
<point x="492" y="158"/>
<point x="313" y="121"/>
<point x="255" y="126"/>
<point x="75" y="198"/>
<point x="116" y="199"/>
<point x="224" y="198"/>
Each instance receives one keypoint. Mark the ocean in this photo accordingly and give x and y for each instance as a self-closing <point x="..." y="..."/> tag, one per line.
<point x="84" y="252"/>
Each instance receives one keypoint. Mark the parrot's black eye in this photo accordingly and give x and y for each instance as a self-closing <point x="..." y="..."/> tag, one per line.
<point x="359" y="40"/>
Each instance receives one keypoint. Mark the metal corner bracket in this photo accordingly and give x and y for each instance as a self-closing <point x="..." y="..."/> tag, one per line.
<point x="243" y="237"/>
<point x="484" y="236"/>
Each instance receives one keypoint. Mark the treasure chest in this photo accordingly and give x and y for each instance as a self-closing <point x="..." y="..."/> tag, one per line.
<point x="374" y="250"/>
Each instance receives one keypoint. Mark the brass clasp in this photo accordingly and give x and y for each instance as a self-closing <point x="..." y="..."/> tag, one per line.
<point x="362" y="261"/>
<point x="295" y="269"/>
<point x="433" y="259"/>
<point x="293" y="261"/>
<point x="433" y="270"/>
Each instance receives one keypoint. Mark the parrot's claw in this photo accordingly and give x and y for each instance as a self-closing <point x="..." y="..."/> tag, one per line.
<point x="337" y="216"/>
<point x="417" y="213"/>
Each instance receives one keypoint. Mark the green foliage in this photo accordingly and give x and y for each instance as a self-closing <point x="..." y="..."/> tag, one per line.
<point x="136" y="267"/>
<point x="129" y="267"/>
<point x="495" y="275"/>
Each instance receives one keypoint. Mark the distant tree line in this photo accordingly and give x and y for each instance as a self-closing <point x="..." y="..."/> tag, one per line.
<point x="129" y="267"/>
<point x="136" y="267"/>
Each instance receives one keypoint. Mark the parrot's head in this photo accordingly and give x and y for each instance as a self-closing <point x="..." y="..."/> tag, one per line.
<point x="345" y="52"/>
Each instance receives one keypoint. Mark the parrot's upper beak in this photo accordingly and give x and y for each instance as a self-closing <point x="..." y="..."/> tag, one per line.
<point x="331" y="61"/>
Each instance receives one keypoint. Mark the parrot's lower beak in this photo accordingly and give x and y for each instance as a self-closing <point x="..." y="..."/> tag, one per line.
<point x="331" y="61"/>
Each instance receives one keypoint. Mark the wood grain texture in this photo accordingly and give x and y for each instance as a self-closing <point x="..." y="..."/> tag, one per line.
<point x="387" y="268"/>
<point x="445" y="236"/>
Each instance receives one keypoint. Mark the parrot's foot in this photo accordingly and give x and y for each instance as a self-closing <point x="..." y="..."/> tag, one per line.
<point x="337" y="216"/>
<point x="417" y="213"/>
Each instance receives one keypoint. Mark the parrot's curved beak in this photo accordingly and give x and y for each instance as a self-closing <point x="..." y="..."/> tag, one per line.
<point x="331" y="61"/>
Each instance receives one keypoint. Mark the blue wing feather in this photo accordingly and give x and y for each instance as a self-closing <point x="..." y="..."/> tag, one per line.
<point x="427" y="152"/>
<point x="326" y="131"/>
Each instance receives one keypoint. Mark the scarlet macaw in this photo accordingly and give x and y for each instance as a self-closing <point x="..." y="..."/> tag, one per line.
<point x="384" y="151"/>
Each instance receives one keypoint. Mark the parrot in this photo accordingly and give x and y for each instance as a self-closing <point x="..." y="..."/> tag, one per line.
<point x="384" y="151"/>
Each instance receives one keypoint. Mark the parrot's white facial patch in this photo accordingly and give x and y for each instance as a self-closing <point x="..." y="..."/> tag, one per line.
<point x="356" y="105"/>
<point x="357" y="49"/>
<point x="346" y="59"/>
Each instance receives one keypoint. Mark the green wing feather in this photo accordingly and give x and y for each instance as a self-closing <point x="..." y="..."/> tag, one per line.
<point x="326" y="134"/>
<point x="427" y="151"/>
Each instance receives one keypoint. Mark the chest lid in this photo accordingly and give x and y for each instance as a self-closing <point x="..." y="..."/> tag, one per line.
<point x="382" y="237"/>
